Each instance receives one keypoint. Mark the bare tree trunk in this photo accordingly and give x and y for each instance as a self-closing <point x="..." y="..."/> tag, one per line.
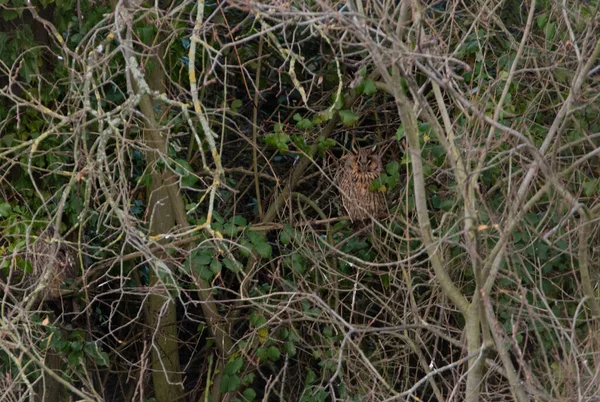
<point x="49" y="389"/>
<point x="167" y="209"/>
<point x="162" y="316"/>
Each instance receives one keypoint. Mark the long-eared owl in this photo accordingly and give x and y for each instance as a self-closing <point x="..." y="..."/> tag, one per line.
<point x="354" y="179"/>
<point x="52" y="263"/>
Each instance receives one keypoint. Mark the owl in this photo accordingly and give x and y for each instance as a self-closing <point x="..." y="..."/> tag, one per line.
<point x="354" y="181"/>
<point x="53" y="262"/>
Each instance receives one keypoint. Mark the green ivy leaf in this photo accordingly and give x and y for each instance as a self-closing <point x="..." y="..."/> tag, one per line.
<point x="304" y="124"/>
<point x="239" y="220"/>
<point x="90" y="348"/>
<point x="290" y="349"/>
<point x="325" y="144"/>
<point x="300" y="142"/>
<point x="147" y="33"/>
<point x="29" y="68"/>
<point x="249" y="394"/>
<point x="273" y="353"/>
<point x="7" y="139"/>
<point x="229" y="229"/>
<point x="215" y="266"/>
<point x="75" y="358"/>
<point x="296" y="263"/>
<point x="5" y="209"/>
<point x="541" y="20"/>
<point x="348" y="118"/>
<point x="102" y="359"/>
<point x="77" y="346"/>
<point x="232" y="265"/>
<point x="589" y="187"/>
<point x="264" y="249"/>
<point x="229" y="383"/>
<point x="233" y="366"/>
<point x="202" y="259"/>
<point x="188" y="178"/>
<point x="255" y="237"/>
<point x="447" y="204"/>
<point x="310" y="377"/>
<point x="217" y="217"/>
<point x="322" y="117"/>
<point x="270" y="353"/>
<point x="393" y="168"/>
<point x="369" y="87"/>
<point x="261" y="353"/>
<point x="245" y="248"/>
<point x="204" y="272"/>
<point x="257" y="320"/>
<point x="8" y="15"/>
<point x="248" y="378"/>
<point x="279" y="141"/>
<point x="379" y="184"/>
<point x="235" y="105"/>
<point x="285" y="236"/>
<point x="550" y="30"/>
<point x="400" y="133"/>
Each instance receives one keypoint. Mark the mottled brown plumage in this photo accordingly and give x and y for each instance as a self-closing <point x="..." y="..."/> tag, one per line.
<point x="52" y="264"/>
<point x="354" y="180"/>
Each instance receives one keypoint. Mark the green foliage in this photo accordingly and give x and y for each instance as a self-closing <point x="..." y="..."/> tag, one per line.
<point x="231" y="380"/>
<point x="285" y="236"/>
<point x="300" y="143"/>
<point x="235" y="105"/>
<point x="249" y="394"/>
<point x="14" y="11"/>
<point x="364" y="275"/>
<point x="279" y="141"/>
<point x="232" y="265"/>
<point x="5" y="210"/>
<point x="186" y="172"/>
<point x="325" y="144"/>
<point x="302" y="123"/>
<point x="230" y="383"/>
<point x="76" y="348"/>
<point x="400" y="134"/>
<point x="270" y="353"/>
<point x="204" y="263"/>
<point x="17" y="44"/>
<point x="348" y="118"/>
<point x="389" y="180"/>
<point x="314" y="394"/>
<point x="259" y="243"/>
<point x="367" y="87"/>
<point x="322" y="117"/>
<point x="296" y="263"/>
<point x="338" y="103"/>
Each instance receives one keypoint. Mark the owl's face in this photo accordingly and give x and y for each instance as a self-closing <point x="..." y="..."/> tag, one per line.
<point x="366" y="161"/>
